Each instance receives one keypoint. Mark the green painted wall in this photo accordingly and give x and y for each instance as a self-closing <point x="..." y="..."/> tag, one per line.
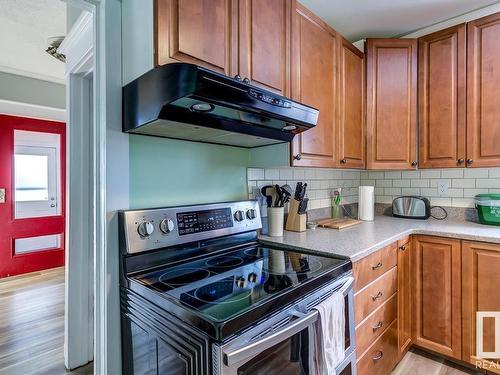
<point x="166" y="172"/>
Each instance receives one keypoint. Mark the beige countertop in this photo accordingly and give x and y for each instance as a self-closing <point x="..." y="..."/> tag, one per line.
<point x="359" y="241"/>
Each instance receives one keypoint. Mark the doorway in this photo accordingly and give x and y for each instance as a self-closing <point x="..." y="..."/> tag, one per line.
<point x="32" y="202"/>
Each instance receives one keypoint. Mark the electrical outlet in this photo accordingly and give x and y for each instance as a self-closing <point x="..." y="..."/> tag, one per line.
<point x="2" y="195"/>
<point x="443" y="187"/>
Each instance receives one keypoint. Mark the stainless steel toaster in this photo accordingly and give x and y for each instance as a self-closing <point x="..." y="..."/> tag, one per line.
<point x="411" y="207"/>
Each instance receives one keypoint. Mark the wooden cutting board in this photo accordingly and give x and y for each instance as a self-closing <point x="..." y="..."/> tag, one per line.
<point x="338" y="223"/>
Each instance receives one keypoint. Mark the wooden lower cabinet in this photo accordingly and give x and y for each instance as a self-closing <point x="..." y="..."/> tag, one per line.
<point x="480" y="292"/>
<point x="381" y="356"/>
<point x="404" y="296"/>
<point x="437" y="295"/>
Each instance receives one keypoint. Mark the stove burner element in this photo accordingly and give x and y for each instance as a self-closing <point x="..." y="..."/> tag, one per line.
<point x="224" y="262"/>
<point x="183" y="276"/>
<point x="221" y="291"/>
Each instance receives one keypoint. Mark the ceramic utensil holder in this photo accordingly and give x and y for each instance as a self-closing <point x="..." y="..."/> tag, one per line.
<point x="295" y="222"/>
<point x="275" y="220"/>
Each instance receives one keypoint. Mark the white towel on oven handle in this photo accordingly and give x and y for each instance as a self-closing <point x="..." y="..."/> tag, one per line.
<point x="327" y="337"/>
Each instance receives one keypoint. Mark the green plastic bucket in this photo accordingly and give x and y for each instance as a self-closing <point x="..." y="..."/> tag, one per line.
<point x="488" y="208"/>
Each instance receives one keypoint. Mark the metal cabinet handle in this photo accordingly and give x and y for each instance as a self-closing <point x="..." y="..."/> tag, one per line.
<point x="414" y="163"/>
<point x="343" y="161"/>
<point x="297" y="157"/>
<point x="377" y="326"/>
<point x="460" y="161"/>
<point x="402" y="248"/>
<point x="378" y="265"/>
<point x="378" y="356"/>
<point x="470" y="161"/>
<point x="377" y="296"/>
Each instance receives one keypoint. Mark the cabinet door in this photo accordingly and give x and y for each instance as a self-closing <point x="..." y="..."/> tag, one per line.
<point x="201" y="32"/>
<point x="314" y="79"/>
<point x="264" y="43"/>
<point x="404" y="296"/>
<point x="351" y="125"/>
<point x="442" y="97"/>
<point x="437" y="296"/>
<point x="483" y="91"/>
<point x="391" y="76"/>
<point x="480" y="282"/>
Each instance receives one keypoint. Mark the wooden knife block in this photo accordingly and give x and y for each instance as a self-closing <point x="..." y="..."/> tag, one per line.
<point x="294" y="221"/>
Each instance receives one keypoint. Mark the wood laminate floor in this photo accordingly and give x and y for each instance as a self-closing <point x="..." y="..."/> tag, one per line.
<point x="32" y="325"/>
<point x="418" y="362"/>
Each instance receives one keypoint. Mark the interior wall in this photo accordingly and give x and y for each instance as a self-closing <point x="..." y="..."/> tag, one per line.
<point x="166" y="172"/>
<point x="16" y="88"/>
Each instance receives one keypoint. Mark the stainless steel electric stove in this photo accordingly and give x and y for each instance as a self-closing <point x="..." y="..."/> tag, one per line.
<point x="201" y="295"/>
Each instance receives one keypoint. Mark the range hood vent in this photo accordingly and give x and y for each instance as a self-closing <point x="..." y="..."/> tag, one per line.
<point x="185" y="101"/>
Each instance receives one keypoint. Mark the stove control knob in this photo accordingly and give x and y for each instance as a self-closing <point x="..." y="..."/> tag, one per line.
<point x="252" y="277"/>
<point x="239" y="215"/>
<point x="167" y="226"/>
<point x="145" y="229"/>
<point x="240" y="282"/>
<point x="251" y="214"/>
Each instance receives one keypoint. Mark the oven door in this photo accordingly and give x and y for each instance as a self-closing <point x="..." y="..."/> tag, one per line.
<point x="274" y="347"/>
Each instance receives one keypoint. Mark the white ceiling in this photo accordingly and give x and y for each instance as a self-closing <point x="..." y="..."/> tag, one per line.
<point x="359" y="19"/>
<point x="25" y="26"/>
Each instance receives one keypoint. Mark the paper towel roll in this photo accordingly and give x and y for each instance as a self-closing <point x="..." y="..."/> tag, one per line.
<point x="366" y="205"/>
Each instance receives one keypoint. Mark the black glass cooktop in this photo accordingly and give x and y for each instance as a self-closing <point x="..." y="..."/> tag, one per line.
<point x="255" y="279"/>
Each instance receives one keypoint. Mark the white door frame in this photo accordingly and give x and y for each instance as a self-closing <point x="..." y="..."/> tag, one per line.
<point x="80" y="219"/>
<point x="108" y="185"/>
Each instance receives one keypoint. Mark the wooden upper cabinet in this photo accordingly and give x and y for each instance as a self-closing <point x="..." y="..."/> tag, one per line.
<point x="201" y="32"/>
<point x="483" y="92"/>
<point x="264" y="43"/>
<point x="437" y="303"/>
<point x="391" y="117"/>
<point x="442" y="98"/>
<point x="314" y="80"/>
<point x="351" y="124"/>
<point x="480" y="281"/>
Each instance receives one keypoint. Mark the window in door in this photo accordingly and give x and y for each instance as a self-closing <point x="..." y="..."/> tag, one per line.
<point x="36" y="174"/>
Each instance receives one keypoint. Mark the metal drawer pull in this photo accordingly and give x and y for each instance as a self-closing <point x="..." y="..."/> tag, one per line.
<point x="378" y="356"/>
<point x="377" y="296"/>
<point x="378" y="265"/>
<point x="402" y="247"/>
<point x="378" y="326"/>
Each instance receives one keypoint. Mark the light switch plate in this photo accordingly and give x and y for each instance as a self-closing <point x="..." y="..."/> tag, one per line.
<point x="2" y="195"/>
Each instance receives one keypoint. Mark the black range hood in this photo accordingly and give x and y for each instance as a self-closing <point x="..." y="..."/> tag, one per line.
<point x="185" y="101"/>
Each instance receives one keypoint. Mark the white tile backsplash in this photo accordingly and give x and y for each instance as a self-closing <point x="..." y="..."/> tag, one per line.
<point x="464" y="183"/>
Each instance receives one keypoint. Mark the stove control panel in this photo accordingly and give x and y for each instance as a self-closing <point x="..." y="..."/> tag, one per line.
<point x="143" y="230"/>
<point x="203" y="221"/>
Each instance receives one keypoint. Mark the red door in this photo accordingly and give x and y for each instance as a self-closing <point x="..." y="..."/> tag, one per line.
<point x="32" y="194"/>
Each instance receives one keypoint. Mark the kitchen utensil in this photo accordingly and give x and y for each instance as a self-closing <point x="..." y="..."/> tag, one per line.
<point x="303" y="206"/>
<point x="269" y="192"/>
<point x="279" y="196"/>
<point x="298" y="190"/>
<point x="287" y="192"/>
<point x="338" y="223"/>
<point x="303" y="191"/>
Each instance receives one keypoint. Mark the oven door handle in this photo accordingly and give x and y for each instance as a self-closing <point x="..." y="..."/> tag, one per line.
<point x="241" y="353"/>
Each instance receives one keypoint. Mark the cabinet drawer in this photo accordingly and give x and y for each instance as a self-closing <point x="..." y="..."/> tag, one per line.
<point x="375" y="294"/>
<point x="376" y="323"/>
<point x="380" y="358"/>
<point x="374" y="265"/>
